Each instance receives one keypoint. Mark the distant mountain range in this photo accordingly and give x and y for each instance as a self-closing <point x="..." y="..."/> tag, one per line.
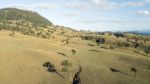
<point x="143" y="32"/>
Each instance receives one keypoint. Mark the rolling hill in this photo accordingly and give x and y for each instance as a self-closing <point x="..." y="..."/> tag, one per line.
<point x="31" y="23"/>
<point x="18" y="14"/>
<point x="22" y="58"/>
<point x="26" y="44"/>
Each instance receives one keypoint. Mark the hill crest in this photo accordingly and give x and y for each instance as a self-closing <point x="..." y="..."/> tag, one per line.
<point x="26" y="15"/>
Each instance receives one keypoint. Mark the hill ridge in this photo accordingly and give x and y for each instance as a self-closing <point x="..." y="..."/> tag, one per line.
<point x="27" y="15"/>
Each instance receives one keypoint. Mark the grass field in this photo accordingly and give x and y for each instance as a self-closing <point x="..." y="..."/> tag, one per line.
<point x="22" y="58"/>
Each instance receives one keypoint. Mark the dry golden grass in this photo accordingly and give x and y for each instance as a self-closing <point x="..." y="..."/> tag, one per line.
<point x="22" y="57"/>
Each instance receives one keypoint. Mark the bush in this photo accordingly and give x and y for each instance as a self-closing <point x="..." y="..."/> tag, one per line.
<point x="73" y="51"/>
<point x="65" y="65"/>
<point x="12" y="34"/>
<point x="112" y="47"/>
<point x="136" y="45"/>
<point x="50" y="66"/>
<point x="100" y="41"/>
<point x="64" y="69"/>
<point x="123" y="44"/>
<point x="47" y="35"/>
<point x="147" y="50"/>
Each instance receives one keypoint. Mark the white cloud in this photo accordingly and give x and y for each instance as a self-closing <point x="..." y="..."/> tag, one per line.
<point x="143" y="12"/>
<point x="91" y="4"/>
<point x="20" y="6"/>
<point x="141" y="3"/>
<point x="102" y="4"/>
<point x="43" y="6"/>
<point x="70" y="14"/>
<point x="33" y="7"/>
<point x="77" y="5"/>
<point x="85" y="4"/>
<point x="108" y="6"/>
<point x="97" y="2"/>
<point x="101" y="21"/>
<point x="148" y="1"/>
<point x="88" y="21"/>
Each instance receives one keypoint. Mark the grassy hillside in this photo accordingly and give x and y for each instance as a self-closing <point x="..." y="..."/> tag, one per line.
<point x="22" y="58"/>
<point x="27" y="41"/>
<point x="25" y="15"/>
<point x="31" y="23"/>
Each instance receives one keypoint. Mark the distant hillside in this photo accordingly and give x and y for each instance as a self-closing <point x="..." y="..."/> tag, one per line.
<point x="17" y="14"/>
<point x="143" y="32"/>
<point x="31" y="23"/>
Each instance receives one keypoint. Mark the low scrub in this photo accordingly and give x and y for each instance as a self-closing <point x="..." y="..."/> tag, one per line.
<point x="123" y="44"/>
<point x="147" y="50"/>
<point x="66" y="64"/>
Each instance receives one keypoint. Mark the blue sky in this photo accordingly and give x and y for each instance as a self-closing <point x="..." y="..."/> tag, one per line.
<point x="95" y="15"/>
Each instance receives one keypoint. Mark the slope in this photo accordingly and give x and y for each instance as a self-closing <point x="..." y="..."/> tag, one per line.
<point x="22" y="57"/>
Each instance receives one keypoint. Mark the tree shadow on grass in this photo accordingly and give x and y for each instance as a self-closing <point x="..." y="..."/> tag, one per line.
<point x="51" y="68"/>
<point x="61" y="54"/>
<point x="95" y="50"/>
<point x="117" y="71"/>
<point x="90" y="45"/>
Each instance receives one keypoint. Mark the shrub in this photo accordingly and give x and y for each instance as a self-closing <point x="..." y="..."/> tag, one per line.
<point x="50" y="66"/>
<point x="12" y="34"/>
<point x="147" y="50"/>
<point x="47" y="35"/>
<point x="100" y="41"/>
<point x="66" y="63"/>
<point x="39" y="34"/>
<point x="119" y="34"/>
<point x="112" y="47"/>
<point x="62" y="33"/>
<point x="123" y="44"/>
<point x="64" y="69"/>
<point x="136" y="45"/>
<point x="73" y="51"/>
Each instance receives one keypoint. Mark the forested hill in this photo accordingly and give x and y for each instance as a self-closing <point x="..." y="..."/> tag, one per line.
<point x="31" y="23"/>
<point x="29" y="16"/>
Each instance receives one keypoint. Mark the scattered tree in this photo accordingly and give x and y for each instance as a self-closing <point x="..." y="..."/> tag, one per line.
<point x="73" y="51"/>
<point x="51" y="68"/>
<point x="147" y="49"/>
<point x="66" y="64"/>
<point x="100" y="41"/>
